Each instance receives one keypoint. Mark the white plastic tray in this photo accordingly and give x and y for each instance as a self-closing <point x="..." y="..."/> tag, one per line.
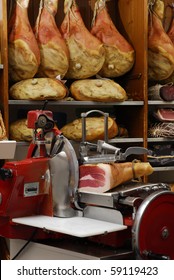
<point x="75" y="226"/>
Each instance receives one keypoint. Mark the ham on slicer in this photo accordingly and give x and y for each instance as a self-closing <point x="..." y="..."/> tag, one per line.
<point x="41" y="197"/>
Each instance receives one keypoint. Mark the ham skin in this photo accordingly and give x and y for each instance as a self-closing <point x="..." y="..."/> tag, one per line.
<point x="87" y="53"/>
<point x="53" y="49"/>
<point x="160" y="50"/>
<point x="119" y="54"/>
<point x="103" y="177"/>
<point x="23" y="50"/>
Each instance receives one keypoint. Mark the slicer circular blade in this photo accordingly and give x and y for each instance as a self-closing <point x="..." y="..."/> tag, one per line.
<point x="153" y="228"/>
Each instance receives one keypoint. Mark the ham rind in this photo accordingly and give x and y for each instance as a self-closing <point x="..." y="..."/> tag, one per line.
<point x="103" y="177"/>
<point x="23" y="50"/>
<point x="119" y="54"/>
<point x="87" y="53"/>
<point x="166" y="115"/>
<point x="160" y="50"/>
<point x="53" y="49"/>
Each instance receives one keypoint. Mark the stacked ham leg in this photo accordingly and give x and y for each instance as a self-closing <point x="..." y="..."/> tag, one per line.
<point x="53" y="49"/>
<point x="86" y="51"/>
<point x="103" y="177"/>
<point x="24" y="54"/>
<point x="119" y="54"/>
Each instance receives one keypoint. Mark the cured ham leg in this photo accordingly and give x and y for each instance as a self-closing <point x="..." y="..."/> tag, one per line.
<point x="170" y="33"/>
<point x="160" y="50"/>
<point x="86" y="51"/>
<point x="119" y="54"/>
<point x="53" y="49"/>
<point x="23" y="50"/>
<point x="103" y="177"/>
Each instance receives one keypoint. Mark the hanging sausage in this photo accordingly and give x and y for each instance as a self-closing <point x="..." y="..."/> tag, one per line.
<point x="53" y="50"/>
<point x="119" y="54"/>
<point x="86" y="51"/>
<point x="23" y="50"/>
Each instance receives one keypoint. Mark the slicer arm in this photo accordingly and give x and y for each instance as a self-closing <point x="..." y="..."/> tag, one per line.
<point x="102" y="148"/>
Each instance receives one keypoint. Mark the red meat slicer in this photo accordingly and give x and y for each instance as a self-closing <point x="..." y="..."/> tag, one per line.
<point x="41" y="192"/>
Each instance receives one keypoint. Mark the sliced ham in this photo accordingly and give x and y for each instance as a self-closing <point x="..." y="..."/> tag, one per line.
<point x="165" y="115"/>
<point x="167" y="92"/>
<point x="86" y="51"/>
<point x="23" y="50"/>
<point x="53" y="49"/>
<point x="103" y="177"/>
<point x="160" y="50"/>
<point x="119" y="54"/>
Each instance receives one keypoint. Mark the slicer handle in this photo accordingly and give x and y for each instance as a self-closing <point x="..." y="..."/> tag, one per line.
<point x="84" y="115"/>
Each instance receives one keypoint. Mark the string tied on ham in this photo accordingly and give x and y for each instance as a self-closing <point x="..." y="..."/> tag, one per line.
<point x="68" y="11"/>
<point x="98" y="5"/>
<point x="151" y="3"/>
<point x="23" y="5"/>
<point x="151" y="11"/>
<point x="157" y="12"/>
<point x="51" y="6"/>
<point x="39" y="17"/>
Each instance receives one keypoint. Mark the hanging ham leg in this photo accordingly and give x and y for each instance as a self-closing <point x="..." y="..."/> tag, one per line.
<point x="24" y="55"/>
<point x="160" y="50"/>
<point x="170" y="31"/>
<point x="119" y="54"/>
<point x="53" y="49"/>
<point x="103" y="177"/>
<point x="86" y="51"/>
